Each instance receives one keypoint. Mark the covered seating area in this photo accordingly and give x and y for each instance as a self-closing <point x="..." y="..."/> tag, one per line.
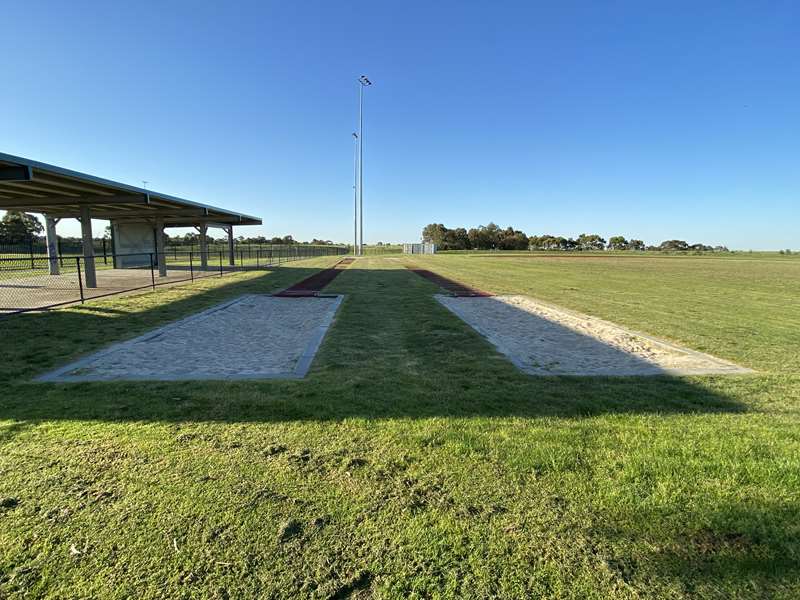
<point x="58" y="193"/>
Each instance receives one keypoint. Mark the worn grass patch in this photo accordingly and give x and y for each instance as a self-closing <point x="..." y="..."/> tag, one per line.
<point x="414" y="461"/>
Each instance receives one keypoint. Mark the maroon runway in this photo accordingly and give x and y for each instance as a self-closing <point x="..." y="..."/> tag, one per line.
<point x="312" y="286"/>
<point x="453" y="287"/>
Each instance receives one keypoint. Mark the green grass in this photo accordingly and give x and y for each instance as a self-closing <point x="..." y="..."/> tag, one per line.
<point x="414" y="461"/>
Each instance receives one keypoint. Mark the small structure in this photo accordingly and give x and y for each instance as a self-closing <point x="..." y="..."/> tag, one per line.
<point x="138" y="216"/>
<point x="423" y="248"/>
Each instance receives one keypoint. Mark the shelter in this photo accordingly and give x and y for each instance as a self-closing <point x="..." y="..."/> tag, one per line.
<point x="58" y="193"/>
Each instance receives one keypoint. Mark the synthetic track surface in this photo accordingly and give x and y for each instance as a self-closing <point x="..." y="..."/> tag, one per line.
<point x="453" y="287"/>
<point x="312" y="286"/>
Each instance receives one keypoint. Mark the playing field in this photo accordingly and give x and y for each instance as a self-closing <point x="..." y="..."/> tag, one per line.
<point x="414" y="460"/>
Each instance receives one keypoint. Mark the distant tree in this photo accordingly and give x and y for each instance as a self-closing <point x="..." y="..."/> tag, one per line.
<point x="591" y="241"/>
<point x="512" y="239"/>
<point x="674" y="246"/>
<point x="287" y="239"/>
<point x="434" y="234"/>
<point x="19" y="227"/>
<point x="455" y="239"/>
<point x="636" y="245"/>
<point x="618" y="242"/>
<point x="484" y="237"/>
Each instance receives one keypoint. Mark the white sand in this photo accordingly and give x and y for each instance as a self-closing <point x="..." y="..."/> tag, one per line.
<point x="542" y="339"/>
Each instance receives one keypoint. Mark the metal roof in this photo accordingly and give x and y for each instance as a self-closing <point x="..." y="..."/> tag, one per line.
<point x="28" y="185"/>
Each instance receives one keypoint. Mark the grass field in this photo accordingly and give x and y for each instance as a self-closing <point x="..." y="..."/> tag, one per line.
<point x="415" y="461"/>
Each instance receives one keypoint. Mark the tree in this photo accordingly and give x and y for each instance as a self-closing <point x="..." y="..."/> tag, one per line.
<point x="19" y="227"/>
<point x="512" y="239"/>
<point x="673" y="246"/>
<point x="636" y="245"/>
<point x="618" y="242"/>
<point x="591" y="241"/>
<point x="434" y="234"/>
<point x="484" y="237"/>
<point x="455" y="239"/>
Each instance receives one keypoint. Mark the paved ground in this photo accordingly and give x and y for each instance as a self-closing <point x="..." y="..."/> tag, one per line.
<point x="542" y="339"/>
<point x="36" y="290"/>
<point x="252" y="337"/>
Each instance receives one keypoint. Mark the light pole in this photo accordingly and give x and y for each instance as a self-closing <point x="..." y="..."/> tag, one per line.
<point x="363" y="82"/>
<point x="355" y="193"/>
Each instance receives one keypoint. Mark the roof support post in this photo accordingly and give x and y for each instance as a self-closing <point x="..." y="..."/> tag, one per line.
<point x="231" y="255"/>
<point x="203" y="229"/>
<point x="161" y="257"/>
<point x="52" y="244"/>
<point x="89" y="273"/>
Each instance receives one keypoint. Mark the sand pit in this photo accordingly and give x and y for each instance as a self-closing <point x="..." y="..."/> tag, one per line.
<point x="542" y="339"/>
<point x="252" y="337"/>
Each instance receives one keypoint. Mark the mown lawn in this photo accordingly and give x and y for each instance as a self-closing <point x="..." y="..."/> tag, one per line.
<point x="414" y="461"/>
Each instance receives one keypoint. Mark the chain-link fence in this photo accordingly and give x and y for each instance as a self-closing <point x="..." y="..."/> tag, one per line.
<point x="38" y="282"/>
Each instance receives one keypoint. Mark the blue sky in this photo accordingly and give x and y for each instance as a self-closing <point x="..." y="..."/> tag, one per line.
<point x="653" y="120"/>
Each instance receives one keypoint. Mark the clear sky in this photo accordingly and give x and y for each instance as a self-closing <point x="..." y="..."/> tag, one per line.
<point x="653" y="120"/>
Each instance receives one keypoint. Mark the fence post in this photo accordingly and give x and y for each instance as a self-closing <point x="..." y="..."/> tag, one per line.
<point x="30" y="247"/>
<point x="105" y="255"/>
<point x="220" y="264"/>
<point x="152" y="272"/>
<point x="80" y="281"/>
<point x="191" y="266"/>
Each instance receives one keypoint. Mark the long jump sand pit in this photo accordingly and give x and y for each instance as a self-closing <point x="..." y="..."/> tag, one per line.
<point x="251" y="337"/>
<point x="542" y="339"/>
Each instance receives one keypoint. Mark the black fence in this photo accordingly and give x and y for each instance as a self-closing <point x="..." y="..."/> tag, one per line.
<point x="37" y="283"/>
<point x="36" y="248"/>
<point x="104" y="247"/>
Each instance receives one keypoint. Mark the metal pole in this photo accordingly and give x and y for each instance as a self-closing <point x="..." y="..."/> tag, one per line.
<point x="355" y="192"/>
<point x="80" y="281"/>
<point x="361" y="167"/>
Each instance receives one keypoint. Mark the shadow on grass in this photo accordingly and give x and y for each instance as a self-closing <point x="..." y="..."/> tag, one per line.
<point x="744" y="546"/>
<point x="393" y="352"/>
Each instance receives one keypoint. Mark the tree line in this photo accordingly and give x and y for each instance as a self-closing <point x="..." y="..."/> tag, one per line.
<point x="190" y="239"/>
<point x="18" y="228"/>
<point x="492" y="237"/>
